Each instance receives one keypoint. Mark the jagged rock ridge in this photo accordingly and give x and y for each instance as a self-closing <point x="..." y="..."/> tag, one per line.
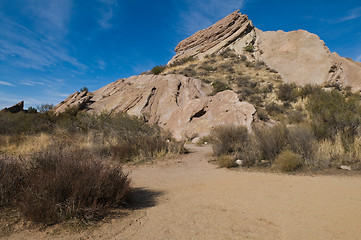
<point x="299" y="56"/>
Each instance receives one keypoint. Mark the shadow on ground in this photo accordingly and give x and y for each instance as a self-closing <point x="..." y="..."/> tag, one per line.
<point x="143" y="198"/>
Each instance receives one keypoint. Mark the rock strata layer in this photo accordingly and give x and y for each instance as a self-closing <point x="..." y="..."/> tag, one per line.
<point x="174" y="102"/>
<point x="298" y="56"/>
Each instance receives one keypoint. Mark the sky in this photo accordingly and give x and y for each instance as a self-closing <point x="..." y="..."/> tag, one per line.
<point x="50" y="49"/>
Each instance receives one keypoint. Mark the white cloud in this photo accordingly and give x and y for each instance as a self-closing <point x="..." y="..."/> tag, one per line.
<point x="6" y="84"/>
<point x="24" y="48"/>
<point x="352" y="14"/>
<point x="199" y="14"/>
<point x="51" y="17"/>
<point x="358" y="59"/>
<point x="106" y="13"/>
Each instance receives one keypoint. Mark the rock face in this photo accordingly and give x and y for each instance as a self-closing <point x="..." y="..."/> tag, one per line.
<point x="299" y="56"/>
<point x="19" y="107"/>
<point x="174" y="102"/>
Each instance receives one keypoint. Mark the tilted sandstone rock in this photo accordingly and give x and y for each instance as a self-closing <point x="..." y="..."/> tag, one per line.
<point x="19" y="107"/>
<point x="299" y="56"/>
<point x="174" y="102"/>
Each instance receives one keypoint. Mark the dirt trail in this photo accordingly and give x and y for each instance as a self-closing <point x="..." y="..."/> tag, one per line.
<point x="189" y="198"/>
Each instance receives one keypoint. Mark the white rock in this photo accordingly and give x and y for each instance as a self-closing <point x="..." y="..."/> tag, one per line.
<point x="239" y="162"/>
<point x="344" y="167"/>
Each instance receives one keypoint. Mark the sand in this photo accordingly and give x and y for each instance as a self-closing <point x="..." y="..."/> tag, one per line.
<point x="188" y="197"/>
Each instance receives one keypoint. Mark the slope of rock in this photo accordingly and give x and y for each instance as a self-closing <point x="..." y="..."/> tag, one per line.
<point x="174" y="102"/>
<point x="298" y="56"/>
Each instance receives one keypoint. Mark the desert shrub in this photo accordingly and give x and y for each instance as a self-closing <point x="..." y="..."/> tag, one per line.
<point x="243" y="58"/>
<point x="329" y="153"/>
<point x="250" y="152"/>
<point x="249" y="64"/>
<point x="205" y="66"/>
<point x="243" y="81"/>
<point x="225" y="65"/>
<point x="11" y="181"/>
<point x="228" y="53"/>
<point x="274" y="108"/>
<point x="158" y="69"/>
<point x="332" y="113"/>
<point x="188" y="72"/>
<point x="63" y="186"/>
<point x="288" y="161"/>
<point x="295" y="116"/>
<point x="219" y="86"/>
<point x="259" y="64"/>
<point x="262" y="114"/>
<point x="84" y="89"/>
<point x="182" y="61"/>
<point x="302" y="141"/>
<point x="226" y="161"/>
<point x="271" y="140"/>
<point x="287" y="92"/>
<point x="32" y="110"/>
<point x="308" y="89"/>
<point x="249" y="48"/>
<point x="228" y="139"/>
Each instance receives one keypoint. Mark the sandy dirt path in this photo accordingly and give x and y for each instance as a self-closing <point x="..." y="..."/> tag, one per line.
<point x="189" y="198"/>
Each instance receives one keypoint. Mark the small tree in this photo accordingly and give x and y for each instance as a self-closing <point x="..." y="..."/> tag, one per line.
<point x="84" y="89"/>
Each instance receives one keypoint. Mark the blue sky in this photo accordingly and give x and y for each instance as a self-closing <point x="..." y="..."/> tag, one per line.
<point x="52" y="48"/>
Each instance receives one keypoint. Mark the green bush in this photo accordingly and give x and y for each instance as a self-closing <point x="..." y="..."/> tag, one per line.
<point x="219" y="86"/>
<point x="249" y="48"/>
<point x="288" y="161"/>
<point x="332" y="113"/>
<point x="158" y="70"/>
<point x="287" y="92"/>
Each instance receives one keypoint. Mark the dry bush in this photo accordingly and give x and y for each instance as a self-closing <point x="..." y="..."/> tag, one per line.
<point x="11" y="181"/>
<point x="288" y="161"/>
<point x="302" y="141"/>
<point x="228" y="139"/>
<point x="226" y="161"/>
<point x="271" y="140"/>
<point x="329" y="153"/>
<point x="250" y="153"/>
<point x="61" y="186"/>
<point x="287" y="92"/>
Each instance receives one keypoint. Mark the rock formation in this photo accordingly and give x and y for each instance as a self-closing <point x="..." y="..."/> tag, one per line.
<point x="174" y="102"/>
<point x="183" y="106"/>
<point x="299" y="56"/>
<point x="19" y="107"/>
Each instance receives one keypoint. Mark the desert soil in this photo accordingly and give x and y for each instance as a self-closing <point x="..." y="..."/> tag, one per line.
<point x="188" y="197"/>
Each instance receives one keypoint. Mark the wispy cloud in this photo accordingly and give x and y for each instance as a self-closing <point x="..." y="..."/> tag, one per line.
<point x="24" y="48"/>
<point x="358" y="59"/>
<point x="199" y="14"/>
<point x="106" y="13"/>
<point x="51" y="17"/>
<point x="6" y="84"/>
<point x="352" y="14"/>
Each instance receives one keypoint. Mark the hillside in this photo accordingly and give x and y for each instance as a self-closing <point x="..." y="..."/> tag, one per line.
<point x="188" y="96"/>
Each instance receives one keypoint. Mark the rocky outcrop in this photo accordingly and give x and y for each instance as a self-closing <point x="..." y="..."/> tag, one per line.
<point x="78" y="100"/>
<point x="214" y="38"/>
<point x="174" y="102"/>
<point x="298" y="56"/>
<point x="19" y="107"/>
